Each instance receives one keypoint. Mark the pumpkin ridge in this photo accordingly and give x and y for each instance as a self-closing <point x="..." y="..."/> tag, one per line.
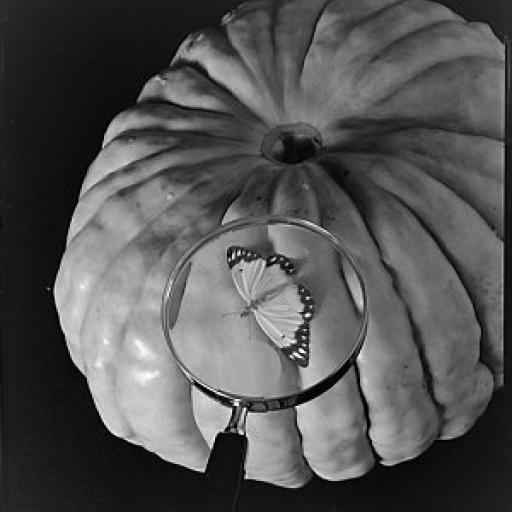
<point x="414" y="394"/>
<point x="151" y="106"/>
<point x="437" y="381"/>
<point x="491" y="341"/>
<point x="161" y="242"/>
<point x="366" y="408"/>
<point x="214" y="53"/>
<point x="192" y="171"/>
<point x="487" y="316"/>
<point x="255" y="197"/>
<point x="419" y="32"/>
<point x="183" y="83"/>
<point x="420" y="170"/>
<point x="428" y="378"/>
<point x="356" y="23"/>
<point x="263" y="74"/>
<point x="410" y="81"/>
<point x="199" y="67"/>
<point x="314" y="29"/>
<point x="359" y="141"/>
<point x="132" y="324"/>
<point x="408" y="145"/>
<point x="116" y="146"/>
<point x="428" y="168"/>
<point x="154" y="133"/>
<point x="196" y="209"/>
<point x="178" y="450"/>
<point x="429" y="13"/>
<point x="202" y="182"/>
<point x="168" y="116"/>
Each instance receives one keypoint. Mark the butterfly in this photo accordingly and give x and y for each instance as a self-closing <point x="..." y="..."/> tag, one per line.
<point x="281" y="307"/>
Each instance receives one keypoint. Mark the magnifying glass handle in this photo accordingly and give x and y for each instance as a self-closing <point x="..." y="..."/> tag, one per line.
<point x="224" y="473"/>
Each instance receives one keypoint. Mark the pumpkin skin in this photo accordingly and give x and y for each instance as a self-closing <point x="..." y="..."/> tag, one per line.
<point x="380" y="120"/>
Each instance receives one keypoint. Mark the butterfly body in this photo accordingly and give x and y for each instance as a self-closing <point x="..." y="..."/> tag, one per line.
<point x="281" y="307"/>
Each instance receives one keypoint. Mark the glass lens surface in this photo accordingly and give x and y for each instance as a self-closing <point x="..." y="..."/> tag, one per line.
<point x="264" y="309"/>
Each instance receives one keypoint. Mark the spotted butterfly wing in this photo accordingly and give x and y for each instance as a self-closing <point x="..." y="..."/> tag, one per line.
<point x="282" y="308"/>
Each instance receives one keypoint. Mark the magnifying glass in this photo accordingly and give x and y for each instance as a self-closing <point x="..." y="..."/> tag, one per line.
<point x="263" y="314"/>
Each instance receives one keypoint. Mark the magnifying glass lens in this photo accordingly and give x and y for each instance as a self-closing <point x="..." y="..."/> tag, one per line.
<point x="265" y="309"/>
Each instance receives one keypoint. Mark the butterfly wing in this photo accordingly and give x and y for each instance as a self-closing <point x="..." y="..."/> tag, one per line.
<point x="282" y="308"/>
<point x="247" y="269"/>
<point x="285" y="317"/>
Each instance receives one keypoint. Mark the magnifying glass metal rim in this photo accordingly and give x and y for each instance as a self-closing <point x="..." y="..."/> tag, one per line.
<point x="258" y="403"/>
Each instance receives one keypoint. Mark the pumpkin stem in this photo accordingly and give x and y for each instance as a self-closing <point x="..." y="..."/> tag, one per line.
<point x="291" y="143"/>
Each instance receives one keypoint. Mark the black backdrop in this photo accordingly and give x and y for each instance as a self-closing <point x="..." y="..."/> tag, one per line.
<point x="67" y="68"/>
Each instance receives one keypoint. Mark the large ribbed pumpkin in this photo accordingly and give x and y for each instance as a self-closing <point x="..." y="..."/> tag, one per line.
<point x="381" y="121"/>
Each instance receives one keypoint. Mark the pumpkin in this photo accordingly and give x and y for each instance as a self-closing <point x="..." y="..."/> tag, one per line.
<point x="380" y="120"/>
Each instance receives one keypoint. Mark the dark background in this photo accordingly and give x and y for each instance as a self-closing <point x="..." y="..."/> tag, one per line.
<point x="67" y="67"/>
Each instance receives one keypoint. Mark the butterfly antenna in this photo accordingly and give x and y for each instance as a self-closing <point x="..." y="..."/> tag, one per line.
<point x="230" y="313"/>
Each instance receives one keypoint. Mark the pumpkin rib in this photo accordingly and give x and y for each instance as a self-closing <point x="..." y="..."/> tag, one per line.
<point x="198" y="66"/>
<point x="366" y="408"/>
<point x="466" y="403"/>
<point x="405" y="145"/>
<point x="190" y="87"/>
<point x="402" y="421"/>
<point x="144" y="116"/>
<point x="481" y="116"/>
<point x="314" y="25"/>
<point x="452" y="426"/>
<point x="433" y="236"/>
<point x="136" y="287"/>
<point x="110" y="171"/>
<point x="291" y="41"/>
<point x="428" y="377"/>
<point x="430" y="69"/>
<point x="412" y="164"/>
<point x="357" y="22"/>
<point x="127" y="179"/>
<point x="393" y="280"/>
<point x="484" y="157"/>
<point x="155" y="103"/>
<point x="357" y="141"/>
<point x="155" y="132"/>
<point x="126" y="394"/>
<point x="255" y="198"/>
<point x="159" y="442"/>
<point x="237" y="110"/>
<point x="419" y="32"/>
<point x="488" y="313"/>
<point x="157" y="109"/>
<point x="332" y="452"/>
<point x="136" y="152"/>
<point x="429" y="13"/>
<point x="252" y="47"/>
<point x="134" y="188"/>
<point x="109" y="258"/>
<point x="498" y="230"/>
<point x="221" y="53"/>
